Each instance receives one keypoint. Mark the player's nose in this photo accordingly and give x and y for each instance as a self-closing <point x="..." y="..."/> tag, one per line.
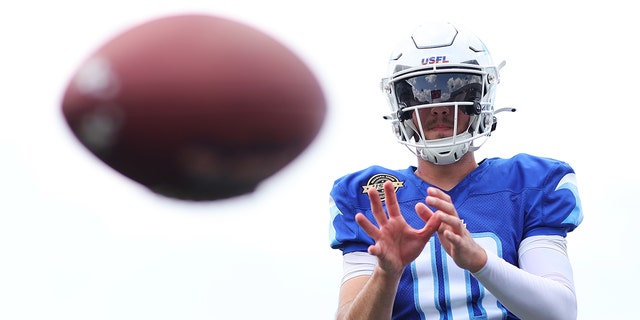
<point x="440" y="110"/>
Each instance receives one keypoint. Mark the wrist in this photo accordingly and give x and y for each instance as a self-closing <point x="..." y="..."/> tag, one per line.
<point x="389" y="276"/>
<point x="479" y="262"/>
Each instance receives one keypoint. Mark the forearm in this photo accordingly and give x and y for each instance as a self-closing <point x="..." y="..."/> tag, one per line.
<point x="374" y="300"/>
<point x="527" y="295"/>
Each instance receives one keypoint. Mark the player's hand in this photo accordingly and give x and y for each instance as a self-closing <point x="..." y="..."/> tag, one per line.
<point x="397" y="243"/>
<point x="453" y="234"/>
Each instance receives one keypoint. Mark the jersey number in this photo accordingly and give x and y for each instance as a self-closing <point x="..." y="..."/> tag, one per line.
<point x="445" y="291"/>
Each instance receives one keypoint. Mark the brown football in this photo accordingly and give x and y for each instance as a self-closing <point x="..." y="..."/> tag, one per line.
<point x="195" y="107"/>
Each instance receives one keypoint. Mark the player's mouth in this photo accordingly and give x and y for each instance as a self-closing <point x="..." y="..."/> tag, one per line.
<point x="440" y="127"/>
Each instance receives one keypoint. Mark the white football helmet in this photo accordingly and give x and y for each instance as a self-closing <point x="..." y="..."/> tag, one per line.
<point x="441" y="65"/>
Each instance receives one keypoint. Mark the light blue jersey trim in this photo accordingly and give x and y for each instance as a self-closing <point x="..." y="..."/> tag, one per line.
<point x="334" y="212"/>
<point x="569" y="182"/>
<point x="416" y="289"/>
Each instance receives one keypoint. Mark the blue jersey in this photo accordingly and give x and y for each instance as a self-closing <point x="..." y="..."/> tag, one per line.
<point x="502" y="202"/>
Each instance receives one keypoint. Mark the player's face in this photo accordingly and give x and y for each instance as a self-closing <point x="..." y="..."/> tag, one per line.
<point x="437" y="122"/>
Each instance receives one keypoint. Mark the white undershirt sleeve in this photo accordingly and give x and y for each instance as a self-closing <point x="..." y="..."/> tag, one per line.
<point x="542" y="288"/>
<point x="358" y="264"/>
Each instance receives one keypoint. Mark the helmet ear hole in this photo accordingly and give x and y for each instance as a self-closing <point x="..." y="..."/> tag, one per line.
<point x="487" y="124"/>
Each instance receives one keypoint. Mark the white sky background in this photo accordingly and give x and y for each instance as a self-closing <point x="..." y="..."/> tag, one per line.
<point x="79" y="241"/>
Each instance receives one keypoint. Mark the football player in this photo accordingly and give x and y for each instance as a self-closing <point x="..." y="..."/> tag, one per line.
<point x="453" y="237"/>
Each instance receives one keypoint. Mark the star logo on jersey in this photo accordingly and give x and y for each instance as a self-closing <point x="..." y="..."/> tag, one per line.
<point x="377" y="181"/>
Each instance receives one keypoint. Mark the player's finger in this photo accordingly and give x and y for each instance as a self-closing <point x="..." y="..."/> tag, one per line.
<point x="435" y="192"/>
<point x="393" y="209"/>
<point x="424" y="212"/>
<point x="368" y="226"/>
<point x="452" y="237"/>
<point x="431" y="219"/>
<point x="441" y="201"/>
<point x="454" y="222"/>
<point x="376" y="207"/>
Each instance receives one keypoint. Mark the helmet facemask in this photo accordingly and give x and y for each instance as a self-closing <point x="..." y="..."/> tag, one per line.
<point x="464" y="89"/>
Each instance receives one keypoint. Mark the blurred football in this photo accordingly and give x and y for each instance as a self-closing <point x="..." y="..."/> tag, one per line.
<point x="195" y="107"/>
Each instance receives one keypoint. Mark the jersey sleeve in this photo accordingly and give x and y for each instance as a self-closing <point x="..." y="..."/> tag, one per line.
<point x="555" y="207"/>
<point x="344" y="232"/>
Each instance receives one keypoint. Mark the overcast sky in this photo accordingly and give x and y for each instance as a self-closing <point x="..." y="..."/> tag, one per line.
<point x="79" y="241"/>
